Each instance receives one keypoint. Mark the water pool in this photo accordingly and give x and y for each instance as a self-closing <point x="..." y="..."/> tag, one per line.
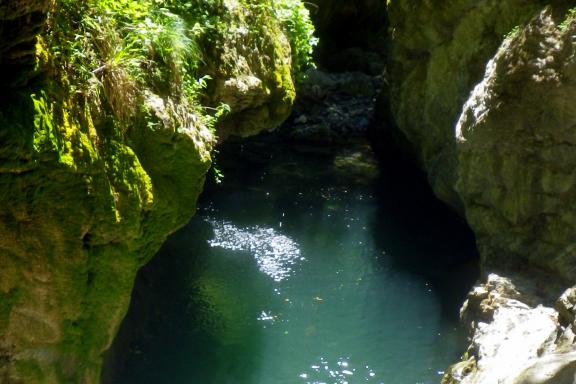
<point x="301" y="268"/>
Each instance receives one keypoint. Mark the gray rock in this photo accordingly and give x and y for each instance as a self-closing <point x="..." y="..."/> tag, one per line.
<point x="566" y="306"/>
<point x="438" y="52"/>
<point x="511" y="341"/>
<point x="501" y="153"/>
<point x="516" y="151"/>
<point x="556" y="368"/>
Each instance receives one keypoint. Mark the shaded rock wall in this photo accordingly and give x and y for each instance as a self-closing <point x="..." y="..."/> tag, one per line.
<point x="499" y="153"/>
<point x="516" y="154"/>
<point x="351" y="32"/>
<point x="20" y="23"/>
<point x="481" y="92"/>
<point x="437" y="53"/>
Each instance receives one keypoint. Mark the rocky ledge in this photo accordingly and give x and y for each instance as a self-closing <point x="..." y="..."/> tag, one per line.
<point x="517" y="335"/>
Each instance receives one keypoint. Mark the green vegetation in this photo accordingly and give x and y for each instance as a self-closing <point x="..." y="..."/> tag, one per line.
<point x="570" y="16"/>
<point x="106" y="149"/>
<point x="512" y="32"/>
<point x="110" y="51"/>
<point x="296" y="20"/>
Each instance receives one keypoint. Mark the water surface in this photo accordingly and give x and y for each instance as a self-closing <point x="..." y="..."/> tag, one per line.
<point x="301" y="268"/>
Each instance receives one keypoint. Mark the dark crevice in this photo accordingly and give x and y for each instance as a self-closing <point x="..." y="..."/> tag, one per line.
<point x="422" y="221"/>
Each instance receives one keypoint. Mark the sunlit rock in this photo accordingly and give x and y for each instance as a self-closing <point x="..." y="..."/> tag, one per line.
<point x="512" y="342"/>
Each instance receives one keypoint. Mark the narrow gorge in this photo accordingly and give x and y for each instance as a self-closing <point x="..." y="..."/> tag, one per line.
<point x="385" y="192"/>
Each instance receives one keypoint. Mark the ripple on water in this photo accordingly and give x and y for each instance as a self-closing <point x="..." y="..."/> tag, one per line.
<point x="276" y="254"/>
<point x="342" y="371"/>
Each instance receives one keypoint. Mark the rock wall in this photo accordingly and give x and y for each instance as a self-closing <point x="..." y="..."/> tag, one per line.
<point x="89" y="189"/>
<point x="516" y="156"/>
<point x="500" y="153"/>
<point x="437" y="53"/>
<point x="515" y="338"/>
<point x="251" y="67"/>
<point x="21" y="21"/>
<point x="352" y="34"/>
<point x="481" y="92"/>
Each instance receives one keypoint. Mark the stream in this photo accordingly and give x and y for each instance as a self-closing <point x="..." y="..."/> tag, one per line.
<point x="302" y="266"/>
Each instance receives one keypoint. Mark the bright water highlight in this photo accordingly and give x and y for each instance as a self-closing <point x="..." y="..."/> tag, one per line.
<point x="275" y="254"/>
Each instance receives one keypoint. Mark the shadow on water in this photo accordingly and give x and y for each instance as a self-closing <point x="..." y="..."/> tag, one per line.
<point x="186" y="318"/>
<point x="418" y="233"/>
<point x="425" y="237"/>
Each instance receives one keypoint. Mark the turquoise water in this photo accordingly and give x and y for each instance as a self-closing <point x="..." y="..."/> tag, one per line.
<point x="301" y="268"/>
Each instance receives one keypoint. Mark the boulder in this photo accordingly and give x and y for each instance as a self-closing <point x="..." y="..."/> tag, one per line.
<point x="513" y="342"/>
<point x="515" y="151"/>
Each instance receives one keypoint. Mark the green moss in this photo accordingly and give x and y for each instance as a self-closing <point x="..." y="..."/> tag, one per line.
<point x="105" y="156"/>
<point x="570" y="16"/>
<point x="81" y="210"/>
<point x="7" y="301"/>
<point x="29" y="372"/>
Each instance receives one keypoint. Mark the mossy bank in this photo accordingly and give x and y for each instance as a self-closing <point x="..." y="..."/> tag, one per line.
<point x="107" y="123"/>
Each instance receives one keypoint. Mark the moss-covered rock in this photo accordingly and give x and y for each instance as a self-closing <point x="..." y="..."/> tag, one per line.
<point x="250" y="63"/>
<point x="81" y="212"/>
<point x="437" y="53"/>
<point x="104" y="154"/>
<point x="516" y="159"/>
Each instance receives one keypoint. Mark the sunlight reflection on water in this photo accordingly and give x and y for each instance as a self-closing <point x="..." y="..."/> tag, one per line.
<point x="275" y="253"/>
<point x="340" y="373"/>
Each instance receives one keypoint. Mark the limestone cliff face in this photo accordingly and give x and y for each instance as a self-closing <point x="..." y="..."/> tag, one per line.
<point x="516" y="154"/>
<point x="481" y="91"/>
<point x="438" y="52"/>
<point x="499" y="152"/>
<point x="90" y="187"/>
